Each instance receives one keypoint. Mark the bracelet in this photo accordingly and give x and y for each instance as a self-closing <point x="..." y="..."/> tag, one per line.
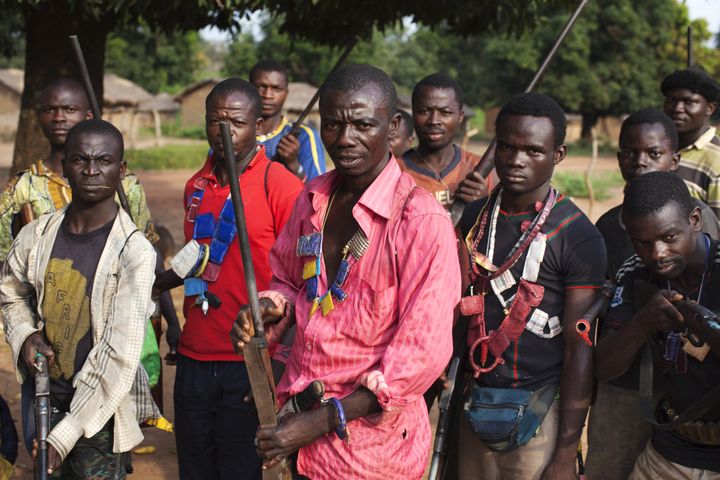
<point x="341" y="431"/>
<point x="205" y="250"/>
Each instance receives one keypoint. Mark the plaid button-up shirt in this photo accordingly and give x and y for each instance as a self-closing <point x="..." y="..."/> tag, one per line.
<point x="111" y="382"/>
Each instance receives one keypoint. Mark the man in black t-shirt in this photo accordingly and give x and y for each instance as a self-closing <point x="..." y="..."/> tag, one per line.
<point x="554" y="262"/>
<point x="673" y="255"/>
<point x="616" y="433"/>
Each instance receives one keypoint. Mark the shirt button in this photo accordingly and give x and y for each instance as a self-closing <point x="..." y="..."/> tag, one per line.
<point x="301" y="382"/>
<point x="308" y="347"/>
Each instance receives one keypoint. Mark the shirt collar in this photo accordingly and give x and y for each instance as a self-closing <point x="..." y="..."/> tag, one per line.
<point x="268" y="136"/>
<point x="703" y="140"/>
<point x="208" y="170"/>
<point x="42" y="170"/>
<point x="377" y="198"/>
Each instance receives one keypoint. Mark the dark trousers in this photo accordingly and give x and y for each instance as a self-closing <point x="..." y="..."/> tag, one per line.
<point x="214" y="427"/>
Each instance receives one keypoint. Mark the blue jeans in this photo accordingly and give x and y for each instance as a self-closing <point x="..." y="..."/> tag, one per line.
<point x="214" y="427"/>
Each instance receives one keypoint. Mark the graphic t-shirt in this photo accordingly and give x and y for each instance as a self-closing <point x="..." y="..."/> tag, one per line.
<point x="443" y="184"/>
<point x="66" y="305"/>
<point x="574" y="258"/>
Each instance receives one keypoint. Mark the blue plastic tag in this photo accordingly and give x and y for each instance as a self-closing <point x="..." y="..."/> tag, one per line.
<point x="195" y="286"/>
<point x="309" y="245"/>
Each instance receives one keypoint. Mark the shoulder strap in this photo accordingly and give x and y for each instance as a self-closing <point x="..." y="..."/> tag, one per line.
<point x="648" y="401"/>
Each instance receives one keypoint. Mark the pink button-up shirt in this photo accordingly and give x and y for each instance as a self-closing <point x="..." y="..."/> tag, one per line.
<point x="392" y="334"/>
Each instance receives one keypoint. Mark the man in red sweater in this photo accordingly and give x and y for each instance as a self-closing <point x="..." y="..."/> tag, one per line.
<point x="213" y="423"/>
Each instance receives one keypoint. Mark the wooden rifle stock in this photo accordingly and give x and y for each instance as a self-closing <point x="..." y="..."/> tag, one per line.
<point x="487" y="162"/>
<point x="257" y="358"/>
<point x="343" y="57"/>
<point x="95" y="107"/>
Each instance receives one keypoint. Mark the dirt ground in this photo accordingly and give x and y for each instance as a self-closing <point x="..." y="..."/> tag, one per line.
<point x="164" y="195"/>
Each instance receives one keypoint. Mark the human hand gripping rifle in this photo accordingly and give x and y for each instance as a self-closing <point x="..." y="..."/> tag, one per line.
<point x="257" y="358"/>
<point x="487" y="162"/>
<point x="437" y="465"/>
<point x="42" y="415"/>
<point x="95" y="106"/>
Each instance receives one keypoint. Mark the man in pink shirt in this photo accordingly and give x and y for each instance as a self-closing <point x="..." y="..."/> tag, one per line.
<point x="369" y="263"/>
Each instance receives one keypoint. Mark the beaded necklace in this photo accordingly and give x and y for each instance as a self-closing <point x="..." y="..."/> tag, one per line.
<point x="311" y="246"/>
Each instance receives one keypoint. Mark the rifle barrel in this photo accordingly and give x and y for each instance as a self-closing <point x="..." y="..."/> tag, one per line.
<point x="242" y="234"/>
<point x="42" y="414"/>
<point x="298" y="123"/>
<point x="690" y="59"/>
<point x="95" y="107"/>
<point x="487" y="162"/>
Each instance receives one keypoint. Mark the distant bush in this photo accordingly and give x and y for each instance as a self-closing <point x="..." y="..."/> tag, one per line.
<point x="573" y="184"/>
<point x="168" y="157"/>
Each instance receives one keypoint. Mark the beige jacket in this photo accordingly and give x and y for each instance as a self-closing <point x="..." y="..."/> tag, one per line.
<point x="112" y="381"/>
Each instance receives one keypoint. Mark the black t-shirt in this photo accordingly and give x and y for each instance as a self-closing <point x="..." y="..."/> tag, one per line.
<point x="682" y="390"/>
<point x="66" y="305"/>
<point x="574" y="258"/>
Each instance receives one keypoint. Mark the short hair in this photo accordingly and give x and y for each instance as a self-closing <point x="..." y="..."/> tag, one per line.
<point x="96" y="127"/>
<point x="233" y="86"/>
<point x="66" y="83"/>
<point x="439" y="80"/>
<point x="694" y="79"/>
<point x="651" y="116"/>
<point x="269" y="65"/>
<point x="407" y="122"/>
<point x="650" y="193"/>
<point x="353" y="78"/>
<point x="536" y="105"/>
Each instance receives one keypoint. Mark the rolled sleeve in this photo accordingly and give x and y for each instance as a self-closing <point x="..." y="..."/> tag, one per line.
<point x="428" y="291"/>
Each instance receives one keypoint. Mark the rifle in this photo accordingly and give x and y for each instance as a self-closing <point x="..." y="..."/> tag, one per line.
<point x="42" y="414"/>
<point x="690" y="59"/>
<point x="298" y="123"/>
<point x="95" y="106"/>
<point x="584" y="326"/>
<point x="257" y="359"/>
<point x="437" y="466"/>
<point x="487" y="162"/>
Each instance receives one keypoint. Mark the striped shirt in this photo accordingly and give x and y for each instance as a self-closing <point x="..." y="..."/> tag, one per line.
<point x="392" y="333"/>
<point x="310" y="156"/>
<point x="700" y="168"/>
<point x="111" y="382"/>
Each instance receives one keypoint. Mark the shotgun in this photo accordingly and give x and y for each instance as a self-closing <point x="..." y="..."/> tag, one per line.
<point x="437" y="466"/>
<point x="584" y="326"/>
<point x="42" y="414"/>
<point x="487" y="162"/>
<point x="95" y="106"/>
<point x="257" y="358"/>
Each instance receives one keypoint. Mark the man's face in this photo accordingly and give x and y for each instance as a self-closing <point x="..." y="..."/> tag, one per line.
<point x="237" y="110"/>
<point x="664" y="240"/>
<point x="689" y="111"/>
<point x="356" y="128"/>
<point x="60" y="109"/>
<point x="526" y="155"/>
<point x="436" y="115"/>
<point x="272" y="87"/>
<point x="645" y="148"/>
<point x="93" y="167"/>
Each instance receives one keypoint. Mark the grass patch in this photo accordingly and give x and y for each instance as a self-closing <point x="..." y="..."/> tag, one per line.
<point x="584" y="148"/>
<point x="573" y="184"/>
<point x="168" y="157"/>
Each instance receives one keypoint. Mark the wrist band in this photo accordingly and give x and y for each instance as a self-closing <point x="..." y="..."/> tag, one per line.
<point x="341" y="431"/>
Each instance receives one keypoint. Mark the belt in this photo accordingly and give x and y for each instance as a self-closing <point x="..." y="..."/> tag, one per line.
<point x="704" y="432"/>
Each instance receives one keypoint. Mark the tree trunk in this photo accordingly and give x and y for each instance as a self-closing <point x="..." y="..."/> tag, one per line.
<point x="589" y="120"/>
<point x="48" y="56"/>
